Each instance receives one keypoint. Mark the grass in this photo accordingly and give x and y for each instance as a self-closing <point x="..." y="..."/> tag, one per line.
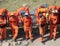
<point x="13" y="5"/>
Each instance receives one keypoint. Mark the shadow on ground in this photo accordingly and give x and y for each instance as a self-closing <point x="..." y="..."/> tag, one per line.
<point x="35" y="33"/>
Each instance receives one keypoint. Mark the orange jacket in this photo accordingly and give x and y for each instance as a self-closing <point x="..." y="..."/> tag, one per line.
<point x="54" y="17"/>
<point x="27" y="21"/>
<point x="44" y="10"/>
<point x="13" y="18"/>
<point x="4" y="10"/>
<point x="3" y="20"/>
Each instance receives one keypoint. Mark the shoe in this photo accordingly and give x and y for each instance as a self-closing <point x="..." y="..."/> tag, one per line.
<point x="54" y="39"/>
<point x="12" y="40"/>
<point x="32" y="40"/>
<point x="50" y="38"/>
<point x="43" y="42"/>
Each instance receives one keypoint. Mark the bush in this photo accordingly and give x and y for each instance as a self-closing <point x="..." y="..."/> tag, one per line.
<point x="34" y="0"/>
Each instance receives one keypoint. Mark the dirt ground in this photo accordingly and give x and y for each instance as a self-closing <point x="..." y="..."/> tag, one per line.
<point x="13" y="5"/>
<point x="21" y="41"/>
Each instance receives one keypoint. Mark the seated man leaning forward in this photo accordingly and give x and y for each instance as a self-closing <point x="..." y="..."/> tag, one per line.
<point x="13" y="22"/>
<point x="27" y="23"/>
<point x="3" y="22"/>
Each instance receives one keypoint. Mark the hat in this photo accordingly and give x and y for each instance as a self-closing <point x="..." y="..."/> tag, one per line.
<point x="22" y="12"/>
<point x="54" y="11"/>
<point x="26" y="14"/>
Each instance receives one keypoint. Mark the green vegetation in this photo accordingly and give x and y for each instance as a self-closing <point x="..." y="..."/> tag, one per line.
<point x="13" y="5"/>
